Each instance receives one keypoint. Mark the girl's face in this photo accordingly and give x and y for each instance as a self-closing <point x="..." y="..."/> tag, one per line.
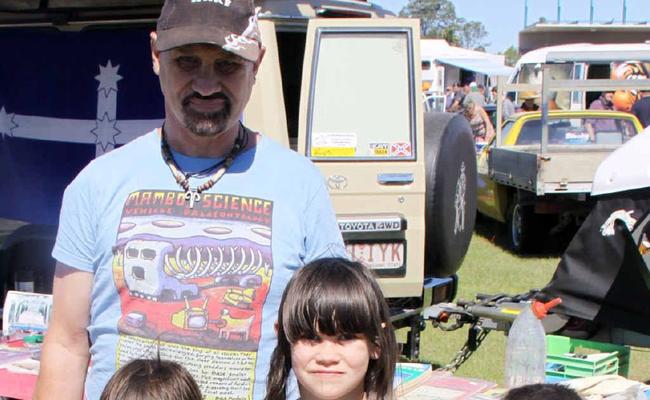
<point x="332" y="367"/>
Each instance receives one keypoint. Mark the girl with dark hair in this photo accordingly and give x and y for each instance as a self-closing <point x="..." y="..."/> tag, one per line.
<point x="334" y="332"/>
<point x="151" y="380"/>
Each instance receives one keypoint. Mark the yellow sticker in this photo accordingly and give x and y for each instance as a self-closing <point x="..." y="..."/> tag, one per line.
<point x="332" y="151"/>
<point x="379" y="149"/>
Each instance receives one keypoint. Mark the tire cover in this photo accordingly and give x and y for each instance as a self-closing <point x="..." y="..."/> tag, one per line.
<point x="450" y="208"/>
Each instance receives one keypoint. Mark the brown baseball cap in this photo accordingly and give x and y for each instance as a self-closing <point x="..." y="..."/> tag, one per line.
<point x="230" y="24"/>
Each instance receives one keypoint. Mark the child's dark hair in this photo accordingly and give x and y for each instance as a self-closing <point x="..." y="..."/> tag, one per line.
<point x="334" y="296"/>
<point x="542" y="391"/>
<point x="151" y="380"/>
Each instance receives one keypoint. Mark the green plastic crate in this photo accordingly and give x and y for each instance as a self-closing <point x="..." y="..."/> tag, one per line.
<point x="614" y="359"/>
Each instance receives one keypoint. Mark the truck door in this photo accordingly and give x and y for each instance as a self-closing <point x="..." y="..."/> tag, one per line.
<point x="361" y="123"/>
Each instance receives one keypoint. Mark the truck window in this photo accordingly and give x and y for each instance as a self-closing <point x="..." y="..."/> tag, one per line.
<point x="361" y="106"/>
<point x="578" y="131"/>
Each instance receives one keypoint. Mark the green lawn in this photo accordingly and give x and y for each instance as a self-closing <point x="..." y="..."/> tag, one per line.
<point x="489" y="269"/>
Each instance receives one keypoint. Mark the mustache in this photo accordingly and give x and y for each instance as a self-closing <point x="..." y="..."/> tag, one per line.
<point x="195" y="95"/>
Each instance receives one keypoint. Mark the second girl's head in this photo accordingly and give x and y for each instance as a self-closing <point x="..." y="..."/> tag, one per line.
<point x="334" y="332"/>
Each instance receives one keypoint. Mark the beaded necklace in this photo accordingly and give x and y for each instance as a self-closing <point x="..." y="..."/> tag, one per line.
<point x="183" y="179"/>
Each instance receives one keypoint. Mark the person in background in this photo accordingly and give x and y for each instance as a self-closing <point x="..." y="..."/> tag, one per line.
<point x="156" y="379"/>
<point x="623" y="100"/>
<point x="450" y="92"/>
<point x="476" y="95"/>
<point x="528" y="103"/>
<point x="508" y="106"/>
<point x="641" y="108"/>
<point x="479" y="120"/>
<point x="481" y="90"/>
<point x="542" y="391"/>
<point x="603" y="102"/>
<point x="334" y="333"/>
<point x="492" y="99"/>
<point x="459" y="96"/>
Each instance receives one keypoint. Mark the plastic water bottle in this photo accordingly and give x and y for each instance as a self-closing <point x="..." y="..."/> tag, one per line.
<point x="526" y="348"/>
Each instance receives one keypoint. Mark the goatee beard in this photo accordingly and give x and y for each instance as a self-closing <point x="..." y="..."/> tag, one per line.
<point x="206" y="124"/>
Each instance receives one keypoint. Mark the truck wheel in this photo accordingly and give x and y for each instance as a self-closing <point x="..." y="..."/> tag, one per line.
<point x="450" y="204"/>
<point x="521" y="228"/>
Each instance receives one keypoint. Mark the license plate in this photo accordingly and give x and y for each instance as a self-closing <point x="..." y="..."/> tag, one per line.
<point x="384" y="255"/>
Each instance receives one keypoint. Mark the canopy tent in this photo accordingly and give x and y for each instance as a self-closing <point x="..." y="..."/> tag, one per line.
<point x="480" y="65"/>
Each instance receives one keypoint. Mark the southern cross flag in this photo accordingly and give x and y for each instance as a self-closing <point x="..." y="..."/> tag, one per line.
<point x="65" y="98"/>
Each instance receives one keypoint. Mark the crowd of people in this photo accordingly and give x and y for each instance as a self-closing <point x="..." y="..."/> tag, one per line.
<point x="471" y="98"/>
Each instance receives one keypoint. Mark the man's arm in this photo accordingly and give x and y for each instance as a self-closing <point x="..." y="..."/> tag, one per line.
<point x="65" y="356"/>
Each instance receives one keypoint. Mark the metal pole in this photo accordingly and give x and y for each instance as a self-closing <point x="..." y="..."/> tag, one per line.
<point x="559" y="8"/>
<point x="525" y="13"/>
<point x="546" y="78"/>
<point x="591" y="12"/>
<point x="499" y="100"/>
<point x="624" y="10"/>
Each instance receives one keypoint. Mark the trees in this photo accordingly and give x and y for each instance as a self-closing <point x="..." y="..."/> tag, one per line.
<point x="511" y="55"/>
<point x="438" y="20"/>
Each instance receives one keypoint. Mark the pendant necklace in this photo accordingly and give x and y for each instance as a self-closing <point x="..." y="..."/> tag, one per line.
<point x="183" y="179"/>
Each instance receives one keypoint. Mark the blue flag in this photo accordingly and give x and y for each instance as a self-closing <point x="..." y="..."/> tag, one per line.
<point x="66" y="98"/>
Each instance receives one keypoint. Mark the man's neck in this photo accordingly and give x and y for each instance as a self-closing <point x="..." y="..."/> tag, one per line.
<point x="188" y="143"/>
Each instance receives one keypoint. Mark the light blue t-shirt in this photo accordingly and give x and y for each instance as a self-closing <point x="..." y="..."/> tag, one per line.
<point x="199" y="285"/>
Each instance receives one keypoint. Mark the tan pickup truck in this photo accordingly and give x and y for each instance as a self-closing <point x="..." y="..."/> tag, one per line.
<point x="339" y="84"/>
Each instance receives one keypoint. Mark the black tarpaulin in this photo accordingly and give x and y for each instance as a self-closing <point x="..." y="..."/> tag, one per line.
<point x="602" y="276"/>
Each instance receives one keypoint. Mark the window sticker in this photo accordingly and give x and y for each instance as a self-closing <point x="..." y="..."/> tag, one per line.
<point x="400" y="149"/>
<point x="379" y="149"/>
<point x="339" y="144"/>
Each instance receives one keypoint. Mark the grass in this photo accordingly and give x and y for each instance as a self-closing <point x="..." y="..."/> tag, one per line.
<point x="487" y="268"/>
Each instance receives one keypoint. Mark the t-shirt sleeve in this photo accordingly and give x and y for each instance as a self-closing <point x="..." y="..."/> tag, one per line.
<point x="75" y="239"/>
<point x="322" y="235"/>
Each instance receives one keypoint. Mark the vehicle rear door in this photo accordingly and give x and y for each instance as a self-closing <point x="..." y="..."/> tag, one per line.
<point x="361" y="123"/>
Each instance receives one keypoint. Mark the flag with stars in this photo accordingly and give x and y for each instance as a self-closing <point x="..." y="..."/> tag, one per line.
<point x="66" y="98"/>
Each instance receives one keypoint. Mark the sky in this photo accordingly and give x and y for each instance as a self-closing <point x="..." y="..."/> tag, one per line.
<point x="503" y="19"/>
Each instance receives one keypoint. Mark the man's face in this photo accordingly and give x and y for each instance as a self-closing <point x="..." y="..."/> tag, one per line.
<point x="609" y="96"/>
<point x="206" y="88"/>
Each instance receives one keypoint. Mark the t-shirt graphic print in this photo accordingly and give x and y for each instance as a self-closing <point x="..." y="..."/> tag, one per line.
<point x="192" y="283"/>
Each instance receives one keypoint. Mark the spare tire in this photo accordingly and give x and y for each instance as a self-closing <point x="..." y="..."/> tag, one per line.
<point x="450" y="203"/>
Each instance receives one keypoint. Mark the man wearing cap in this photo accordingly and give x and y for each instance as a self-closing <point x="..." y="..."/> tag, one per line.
<point x="179" y="244"/>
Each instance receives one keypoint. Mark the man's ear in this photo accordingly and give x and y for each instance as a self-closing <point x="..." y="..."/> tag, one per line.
<point x="259" y="59"/>
<point x="155" y="54"/>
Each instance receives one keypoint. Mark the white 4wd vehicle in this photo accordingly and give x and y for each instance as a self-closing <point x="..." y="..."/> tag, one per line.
<point x="343" y="91"/>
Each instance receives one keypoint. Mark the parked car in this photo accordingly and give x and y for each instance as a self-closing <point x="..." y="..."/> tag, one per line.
<point x="538" y="193"/>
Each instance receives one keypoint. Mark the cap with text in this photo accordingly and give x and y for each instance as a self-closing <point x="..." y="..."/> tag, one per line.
<point x="230" y="24"/>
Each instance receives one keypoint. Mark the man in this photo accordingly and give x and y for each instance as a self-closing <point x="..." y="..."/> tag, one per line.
<point x="528" y="101"/>
<point x="603" y="102"/>
<point x="459" y="96"/>
<point x="641" y="109"/>
<point x="475" y="95"/>
<point x="181" y="242"/>
<point x="508" y="106"/>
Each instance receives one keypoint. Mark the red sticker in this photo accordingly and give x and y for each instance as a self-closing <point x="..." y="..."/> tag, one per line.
<point x="400" y="149"/>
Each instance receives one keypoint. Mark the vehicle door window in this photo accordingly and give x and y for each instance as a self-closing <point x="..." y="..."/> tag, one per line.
<point x="361" y="106"/>
<point x="530" y="133"/>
